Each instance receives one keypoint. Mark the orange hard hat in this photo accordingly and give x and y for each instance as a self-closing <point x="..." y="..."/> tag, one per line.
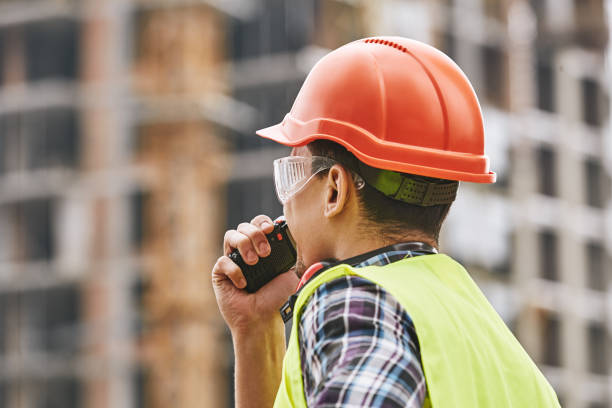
<point x="396" y="104"/>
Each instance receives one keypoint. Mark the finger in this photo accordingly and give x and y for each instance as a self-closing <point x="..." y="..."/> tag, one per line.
<point x="237" y="240"/>
<point x="226" y="269"/>
<point x="257" y="237"/>
<point x="227" y="248"/>
<point x="264" y="222"/>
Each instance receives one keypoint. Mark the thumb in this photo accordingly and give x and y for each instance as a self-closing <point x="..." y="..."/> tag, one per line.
<point x="280" y="288"/>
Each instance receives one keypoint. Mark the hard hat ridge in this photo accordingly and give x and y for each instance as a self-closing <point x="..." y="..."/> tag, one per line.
<point x="375" y="40"/>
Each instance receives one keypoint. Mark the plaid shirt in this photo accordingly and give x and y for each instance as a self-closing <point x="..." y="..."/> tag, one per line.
<point x="359" y="346"/>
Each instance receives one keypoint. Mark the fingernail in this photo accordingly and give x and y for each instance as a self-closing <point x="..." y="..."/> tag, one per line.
<point x="251" y="257"/>
<point x="263" y="248"/>
<point x="241" y="283"/>
<point x="266" y="224"/>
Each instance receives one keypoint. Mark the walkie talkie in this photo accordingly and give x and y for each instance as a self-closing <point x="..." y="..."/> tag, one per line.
<point x="282" y="258"/>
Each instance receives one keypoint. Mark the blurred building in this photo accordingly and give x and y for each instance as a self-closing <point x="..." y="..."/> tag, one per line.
<point x="539" y="242"/>
<point x="111" y="204"/>
<point x="127" y="147"/>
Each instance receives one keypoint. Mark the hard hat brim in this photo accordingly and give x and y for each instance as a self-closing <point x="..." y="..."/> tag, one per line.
<point x="277" y="134"/>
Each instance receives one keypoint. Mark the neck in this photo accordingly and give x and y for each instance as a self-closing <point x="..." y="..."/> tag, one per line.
<point x="353" y="242"/>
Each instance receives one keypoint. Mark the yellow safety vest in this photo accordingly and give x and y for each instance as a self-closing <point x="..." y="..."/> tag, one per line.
<point x="470" y="358"/>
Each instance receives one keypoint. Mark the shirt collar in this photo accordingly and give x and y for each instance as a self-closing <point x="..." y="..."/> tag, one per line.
<point x="378" y="257"/>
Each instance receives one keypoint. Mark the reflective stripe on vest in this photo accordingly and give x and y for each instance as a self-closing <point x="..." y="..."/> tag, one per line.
<point x="470" y="358"/>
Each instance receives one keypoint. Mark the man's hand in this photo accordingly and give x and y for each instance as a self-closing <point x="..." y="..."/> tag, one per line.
<point x="243" y="311"/>
<point x="253" y="318"/>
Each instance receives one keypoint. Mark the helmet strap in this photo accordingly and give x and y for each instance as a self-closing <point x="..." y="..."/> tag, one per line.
<point x="410" y="189"/>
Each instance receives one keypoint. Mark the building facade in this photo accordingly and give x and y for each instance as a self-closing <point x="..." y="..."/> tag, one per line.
<point x="112" y="175"/>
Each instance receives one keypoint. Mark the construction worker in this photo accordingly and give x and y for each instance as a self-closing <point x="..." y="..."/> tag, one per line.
<point x="382" y="131"/>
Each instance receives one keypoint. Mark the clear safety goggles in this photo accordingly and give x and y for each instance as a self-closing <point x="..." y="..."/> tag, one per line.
<point x="292" y="173"/>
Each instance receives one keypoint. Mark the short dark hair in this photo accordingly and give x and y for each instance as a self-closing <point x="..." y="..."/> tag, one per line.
<point x="392" y="218"/>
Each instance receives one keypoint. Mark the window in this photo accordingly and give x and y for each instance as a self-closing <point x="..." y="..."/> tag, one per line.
<point x="547" y="175"/>
<point x="138" y="290"/>
<point x="4" y="310"/>
<point x="504" y="266"/>
<point x="591" y="106"/>
<point x="138" y="201"/>
<point x="7" y="242"/>
<point x="545" y="77"/>
<point x="449" y="44"/>
<point x="251" y="197"/>
<point x="2" y="36"/>
<point x="597" y="350"/>
<point x="551" y="340"/>
<point x="495" y="81"/>
<point x="139" y="382"/>
<point x="11" y="143"/>
<point x="3" y="147"/>
<point x="51" y="49"/>
<point x="3" y="394"/>
<point x="39" y="139"/>
<point x="548" y="250"/>
<point x="35" y="230"/>
<point x="52" y="317"/>
<point x="52" y="138"/>
<point x="273" y="102"/>
<point x="56" y="392"/>
<point x="597" y="189"/>
<point x="597" y="277"/>
<point x="282" y="27"/>
<point x="41" y="320"/>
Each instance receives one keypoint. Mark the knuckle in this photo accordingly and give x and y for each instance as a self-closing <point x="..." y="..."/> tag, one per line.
<point x="243" y="242"/>
<point x="228" y="235"/>
<point x="258" y="220"/>
<point x="218" y="266"/>
<point x="227" y="267"/>
<point x="235" y="239"/>
<point x="257" y="232"/>
<point x="245" y="228"/>
<point x="225" y="261"/>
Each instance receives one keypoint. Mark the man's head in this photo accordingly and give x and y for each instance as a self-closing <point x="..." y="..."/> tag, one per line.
<point x="401" y="115"/>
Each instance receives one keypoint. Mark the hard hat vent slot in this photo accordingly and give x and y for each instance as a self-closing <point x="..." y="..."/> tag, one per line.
<point x="387" y="43"/>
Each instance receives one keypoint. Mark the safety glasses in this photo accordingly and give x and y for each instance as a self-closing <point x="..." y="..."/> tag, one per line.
<point x="292" y="173"/>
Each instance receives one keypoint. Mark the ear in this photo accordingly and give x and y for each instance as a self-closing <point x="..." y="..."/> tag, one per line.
<point x="337" y="191"/>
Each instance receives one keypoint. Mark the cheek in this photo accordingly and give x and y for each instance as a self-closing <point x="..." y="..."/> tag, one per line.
<point x="295" y="221"/>
<point x="303" y="222"/>
<point x="292" y="222"/>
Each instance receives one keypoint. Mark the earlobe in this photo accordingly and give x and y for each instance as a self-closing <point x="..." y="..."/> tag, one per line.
<point x="336" y="192"/>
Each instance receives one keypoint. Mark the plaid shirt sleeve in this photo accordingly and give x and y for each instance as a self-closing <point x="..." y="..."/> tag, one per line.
<point x="359" y="348"/>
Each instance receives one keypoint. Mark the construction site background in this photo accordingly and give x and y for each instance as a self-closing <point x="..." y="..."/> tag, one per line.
<point x="127" y="148"/>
